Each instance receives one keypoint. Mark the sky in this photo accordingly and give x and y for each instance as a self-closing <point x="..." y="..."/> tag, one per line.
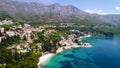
<point x="91" y="6"/>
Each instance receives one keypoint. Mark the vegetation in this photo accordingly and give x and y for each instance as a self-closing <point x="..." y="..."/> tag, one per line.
<point x="49" y="43"/>
<point x="18" y="60"/>
<point x="4" y="16"/>
<point x="13" y="59"/>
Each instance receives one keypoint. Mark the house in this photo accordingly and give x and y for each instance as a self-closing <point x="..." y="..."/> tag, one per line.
<point x="2" y="29"/>
<point x="6" y="22"/>
<point x="49" y="32"/>
<point x="20" y="26"/>
<point x="26" y="25"/>
<point x="0" y="39"/>
<point x="72" y="36"/>
<point x="10" y="33"/>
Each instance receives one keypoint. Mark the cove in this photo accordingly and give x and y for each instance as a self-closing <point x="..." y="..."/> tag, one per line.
<point x="105" y="53"/>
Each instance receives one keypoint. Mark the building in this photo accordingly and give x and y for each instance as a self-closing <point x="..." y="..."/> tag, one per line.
<point x="10" y="33"/>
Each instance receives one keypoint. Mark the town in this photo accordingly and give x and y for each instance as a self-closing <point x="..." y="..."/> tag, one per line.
<point x="42" y="40"/>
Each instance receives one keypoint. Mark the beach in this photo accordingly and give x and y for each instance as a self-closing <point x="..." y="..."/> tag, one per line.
<point x="69" y="45"/>
<point x="43" y="59"/>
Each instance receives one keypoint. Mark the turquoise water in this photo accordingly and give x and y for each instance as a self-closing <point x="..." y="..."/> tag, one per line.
<point x="104" y="54"/>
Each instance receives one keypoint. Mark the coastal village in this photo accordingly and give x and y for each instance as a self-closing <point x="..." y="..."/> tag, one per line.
<point x="59" y="34"/>
<point x="28" y="35"/>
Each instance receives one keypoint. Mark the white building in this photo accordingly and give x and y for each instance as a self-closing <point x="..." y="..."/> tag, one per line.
<point x="10" y="33"/>
<point x="2" y="29"/>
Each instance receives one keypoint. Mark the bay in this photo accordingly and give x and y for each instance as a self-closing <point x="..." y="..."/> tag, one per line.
<point x="105" y="53"/>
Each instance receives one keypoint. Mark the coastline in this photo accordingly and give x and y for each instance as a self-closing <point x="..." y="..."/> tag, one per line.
<point x="43" y="59"/>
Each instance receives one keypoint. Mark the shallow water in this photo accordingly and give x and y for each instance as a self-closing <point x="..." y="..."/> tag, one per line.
<point x="104" y="54"/>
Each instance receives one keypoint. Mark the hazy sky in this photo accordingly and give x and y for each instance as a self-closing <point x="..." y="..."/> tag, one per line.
<point x="91" y="6"/>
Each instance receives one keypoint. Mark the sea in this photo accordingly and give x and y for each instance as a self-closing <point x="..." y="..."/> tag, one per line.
<point x="105" y="53"/>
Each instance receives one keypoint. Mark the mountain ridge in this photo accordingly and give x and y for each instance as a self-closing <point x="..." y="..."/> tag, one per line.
<point x="33" y="11"/>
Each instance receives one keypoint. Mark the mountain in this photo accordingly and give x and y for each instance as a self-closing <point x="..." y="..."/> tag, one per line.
<point x="111" y="18"/>
<point x="36" y="12"/>
<point x="39" y="12"/>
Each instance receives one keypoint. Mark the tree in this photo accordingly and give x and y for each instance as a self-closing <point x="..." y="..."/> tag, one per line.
<point x="24" y="38"/>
